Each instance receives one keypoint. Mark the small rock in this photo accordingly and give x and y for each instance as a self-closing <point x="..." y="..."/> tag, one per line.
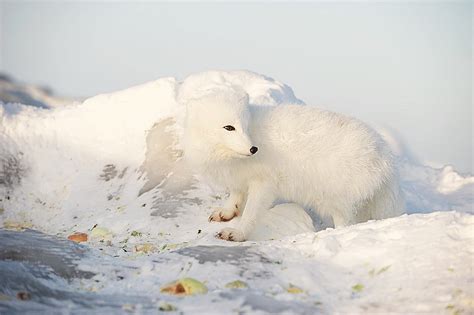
<point x="24" y="296"/>
<point x="78" y="237"/>
<point x="166" y="307"/>
<point x="185" y="286"/>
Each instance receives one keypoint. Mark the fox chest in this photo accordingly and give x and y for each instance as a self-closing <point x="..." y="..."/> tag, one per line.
<point x="232" y="176"/>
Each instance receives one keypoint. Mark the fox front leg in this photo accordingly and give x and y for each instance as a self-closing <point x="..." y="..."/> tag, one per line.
<point x="232" y="208"/>
<point x="260" y="198"/>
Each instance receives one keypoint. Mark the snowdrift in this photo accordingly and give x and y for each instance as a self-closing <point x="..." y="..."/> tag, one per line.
<point x="112" y="167"/>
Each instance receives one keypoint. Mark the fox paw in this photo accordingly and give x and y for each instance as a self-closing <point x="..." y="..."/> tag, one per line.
<point x="223" y="215"/>
<point x="232" y="235"/>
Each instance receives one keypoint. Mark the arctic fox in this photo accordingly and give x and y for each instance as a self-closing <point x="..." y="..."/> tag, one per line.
<point x="331" y="163"/>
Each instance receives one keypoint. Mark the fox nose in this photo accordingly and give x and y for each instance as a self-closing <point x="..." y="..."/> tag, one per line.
<point x="253" y="150"/>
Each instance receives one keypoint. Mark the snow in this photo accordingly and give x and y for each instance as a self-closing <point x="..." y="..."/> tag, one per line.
<point x="11" y="91"/>
<point x="114" y="162"/>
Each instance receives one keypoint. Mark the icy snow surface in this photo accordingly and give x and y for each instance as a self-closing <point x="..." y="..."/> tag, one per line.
<point x="112" y="167"/>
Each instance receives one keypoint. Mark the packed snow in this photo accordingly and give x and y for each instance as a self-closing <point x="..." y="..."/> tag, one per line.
<point x="112" y="167"/>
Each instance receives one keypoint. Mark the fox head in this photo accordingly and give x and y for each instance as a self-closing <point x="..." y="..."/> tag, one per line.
<point x="217" y="126"/>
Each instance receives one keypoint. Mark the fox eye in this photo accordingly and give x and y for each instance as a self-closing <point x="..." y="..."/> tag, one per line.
<point x="229" y="128"/>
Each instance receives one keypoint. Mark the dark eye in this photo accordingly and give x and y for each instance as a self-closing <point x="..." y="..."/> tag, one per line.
<point x="229" y="128"/>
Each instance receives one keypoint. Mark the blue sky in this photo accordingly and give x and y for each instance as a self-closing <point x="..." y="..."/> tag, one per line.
<point x="402" y="65"/>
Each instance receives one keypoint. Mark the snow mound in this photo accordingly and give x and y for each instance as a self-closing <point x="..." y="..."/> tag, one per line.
<point x="41" y="97"/>
<point x="428" y="189"/>
<point x="112" y="167"/>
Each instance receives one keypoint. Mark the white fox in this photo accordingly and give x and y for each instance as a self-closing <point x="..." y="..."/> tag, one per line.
<point x="334" y="164"/>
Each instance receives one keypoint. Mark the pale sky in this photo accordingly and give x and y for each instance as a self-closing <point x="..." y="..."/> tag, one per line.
<point x="405" y="66"/>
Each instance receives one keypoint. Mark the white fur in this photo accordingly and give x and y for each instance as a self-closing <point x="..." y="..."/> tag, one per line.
<point x="332" y="163"/>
